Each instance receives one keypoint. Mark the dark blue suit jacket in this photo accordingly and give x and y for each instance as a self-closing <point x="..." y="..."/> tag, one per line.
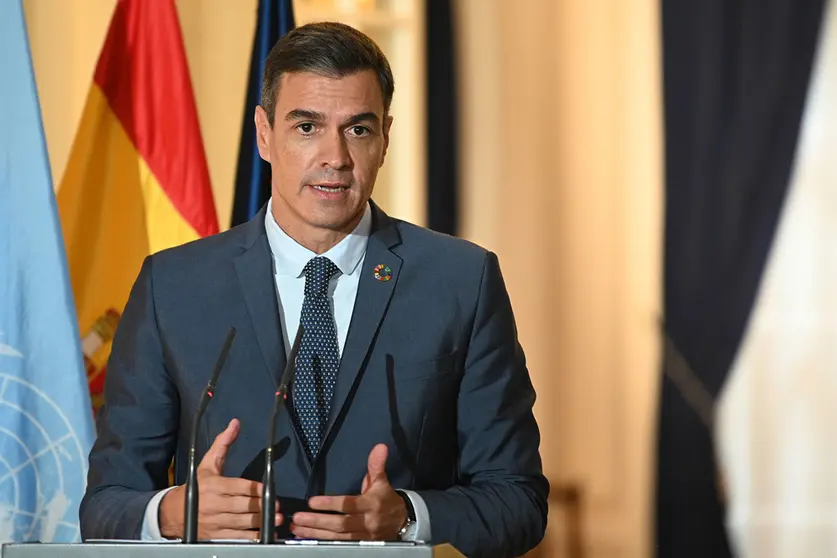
<point x="431" y="367"/>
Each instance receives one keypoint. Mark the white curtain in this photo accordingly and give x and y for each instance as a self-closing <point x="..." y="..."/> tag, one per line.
<point x="777" y="421"/>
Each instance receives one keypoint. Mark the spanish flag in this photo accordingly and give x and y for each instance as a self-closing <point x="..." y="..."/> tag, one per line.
<point x="137" y="180"/>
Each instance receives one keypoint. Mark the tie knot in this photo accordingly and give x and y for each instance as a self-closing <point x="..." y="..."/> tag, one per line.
<point x="318" y="272"/>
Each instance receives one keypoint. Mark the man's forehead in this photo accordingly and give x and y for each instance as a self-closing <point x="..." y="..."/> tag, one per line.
<point x="355" y="92"/>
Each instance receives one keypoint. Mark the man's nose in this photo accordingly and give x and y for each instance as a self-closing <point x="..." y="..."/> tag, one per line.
<point x="335" y="151"/>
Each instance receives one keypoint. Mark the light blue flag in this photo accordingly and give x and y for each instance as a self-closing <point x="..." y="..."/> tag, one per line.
<point x="46" y="426"/>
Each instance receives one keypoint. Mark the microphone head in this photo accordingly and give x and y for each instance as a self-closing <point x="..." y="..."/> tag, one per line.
<point x="222" y="358"/>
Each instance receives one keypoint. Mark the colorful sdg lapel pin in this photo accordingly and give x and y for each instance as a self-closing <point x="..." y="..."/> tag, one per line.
<point x="383" y="272"/>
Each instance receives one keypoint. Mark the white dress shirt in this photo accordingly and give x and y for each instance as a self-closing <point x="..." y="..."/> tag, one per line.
<point x="289" y="260"/>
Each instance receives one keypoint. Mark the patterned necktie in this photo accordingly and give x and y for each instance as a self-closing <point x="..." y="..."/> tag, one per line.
<point x="319" y="355"/>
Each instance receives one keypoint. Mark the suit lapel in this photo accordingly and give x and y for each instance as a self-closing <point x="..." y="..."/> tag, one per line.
<point x="255" y="275"/>
<point x="373" y="296"/>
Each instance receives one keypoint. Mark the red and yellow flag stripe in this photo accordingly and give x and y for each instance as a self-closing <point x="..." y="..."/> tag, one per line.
<point x="137" y="180"/>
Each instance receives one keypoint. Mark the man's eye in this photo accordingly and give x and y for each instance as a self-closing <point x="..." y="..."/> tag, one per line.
<point x="359" y="131"/>
<point x="306" y="128"/>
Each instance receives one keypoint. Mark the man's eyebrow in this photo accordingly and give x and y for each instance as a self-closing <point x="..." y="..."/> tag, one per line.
<point x="305" y="114"/>
<point x="362" y="117"/>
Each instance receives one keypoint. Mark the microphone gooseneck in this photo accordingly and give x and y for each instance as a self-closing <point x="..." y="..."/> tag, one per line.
<point x="268" y="531"/>
<point x="190" y="522"/>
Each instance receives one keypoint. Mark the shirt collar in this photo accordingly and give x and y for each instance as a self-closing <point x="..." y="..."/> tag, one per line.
<point x="290" y="257"/>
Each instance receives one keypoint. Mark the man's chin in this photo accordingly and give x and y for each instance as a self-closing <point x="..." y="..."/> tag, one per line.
<point x="336" y="218"/>
<point x="343" y="221"/>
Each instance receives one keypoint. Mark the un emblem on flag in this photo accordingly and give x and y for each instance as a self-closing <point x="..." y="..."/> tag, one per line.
<point x="42" y="465"/>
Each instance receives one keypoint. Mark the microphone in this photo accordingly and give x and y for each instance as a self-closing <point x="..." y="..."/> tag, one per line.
<point x="190" y="523"/>
<point x="268" y="534"/>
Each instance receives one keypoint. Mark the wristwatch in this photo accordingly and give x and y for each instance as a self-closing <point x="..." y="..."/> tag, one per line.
<point x="407" y="531"/>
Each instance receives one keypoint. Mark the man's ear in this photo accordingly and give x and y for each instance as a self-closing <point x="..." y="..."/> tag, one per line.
<point x="263" y="133"/>
<point x="387" y="126"/>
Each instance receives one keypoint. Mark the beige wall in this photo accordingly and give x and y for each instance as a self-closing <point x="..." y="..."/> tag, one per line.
<point x="562" y="178"/>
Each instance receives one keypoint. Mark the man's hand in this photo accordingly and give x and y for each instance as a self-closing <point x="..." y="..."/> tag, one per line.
<point x="228" y="508"/>
<point x="377" y="514"/>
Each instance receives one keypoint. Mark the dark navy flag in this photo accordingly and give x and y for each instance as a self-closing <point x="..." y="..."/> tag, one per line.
<point x="252" y="181"/>
<point x="46" y="425"/>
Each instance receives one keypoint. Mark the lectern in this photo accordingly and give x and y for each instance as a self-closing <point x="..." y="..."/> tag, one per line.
<point x="294" y="549"/>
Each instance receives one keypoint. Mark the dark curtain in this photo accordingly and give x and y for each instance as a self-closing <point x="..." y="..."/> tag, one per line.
<point x="274" y="18"/>
<point x="442" y="166"/>
<point x="736" y="74"/>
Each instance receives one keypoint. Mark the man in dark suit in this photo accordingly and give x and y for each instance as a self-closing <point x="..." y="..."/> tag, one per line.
<point x="411" y="409"/>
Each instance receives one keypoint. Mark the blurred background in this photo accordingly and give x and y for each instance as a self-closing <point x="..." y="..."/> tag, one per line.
<point x="590" y="144"/>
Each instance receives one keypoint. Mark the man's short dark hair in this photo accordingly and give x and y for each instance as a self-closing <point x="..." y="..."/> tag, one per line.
<point x="329" y="49"/>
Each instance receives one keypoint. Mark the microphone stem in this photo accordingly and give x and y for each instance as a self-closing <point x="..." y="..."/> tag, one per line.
<point x="268" y="530"/>
<point x="190" y="516"/>
<point x="190" y="512"/>
<point x="190" y="522"/>
<point x="268" y="534"/>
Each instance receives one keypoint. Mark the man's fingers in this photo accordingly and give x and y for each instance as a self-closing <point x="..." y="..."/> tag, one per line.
<point x="229" y="486"/>
<point x="309" y="533"/>
<point x="377" y="464"/>
<point x="342" y="504"/>
<point x="330" y="522"/>
<point x="238" y="521"/>
<point x="214" y="459"/>
<point x="234" y="504"/>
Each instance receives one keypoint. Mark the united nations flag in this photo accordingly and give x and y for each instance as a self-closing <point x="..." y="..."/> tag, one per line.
<point x="46" y="427"/>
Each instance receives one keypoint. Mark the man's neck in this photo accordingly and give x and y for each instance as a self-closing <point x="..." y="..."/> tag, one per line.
<point x="318" y="240"/>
